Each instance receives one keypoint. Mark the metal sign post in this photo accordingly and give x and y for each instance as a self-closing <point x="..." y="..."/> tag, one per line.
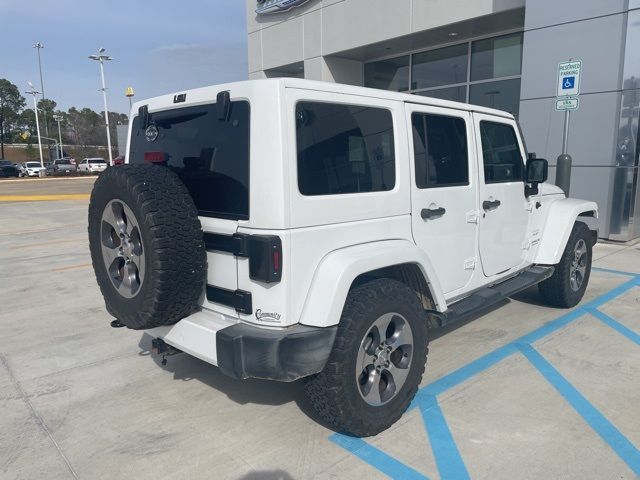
<point x="568" y="89"/>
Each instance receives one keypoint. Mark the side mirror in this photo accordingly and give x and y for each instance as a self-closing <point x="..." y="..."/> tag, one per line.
<point x="537" y="170"/>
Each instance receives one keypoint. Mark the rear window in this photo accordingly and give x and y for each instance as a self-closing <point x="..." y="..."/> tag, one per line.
<point x="344" y="149"/>
<point x="63" y="162"/>
<point x="210" y="156"/>
<point x="98" y="160"/>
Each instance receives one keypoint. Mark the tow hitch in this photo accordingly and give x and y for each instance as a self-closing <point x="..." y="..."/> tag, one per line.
<point x="160" y="347"/>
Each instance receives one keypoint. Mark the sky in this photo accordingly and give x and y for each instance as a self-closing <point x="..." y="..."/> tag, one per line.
<point x="158" y="47"/>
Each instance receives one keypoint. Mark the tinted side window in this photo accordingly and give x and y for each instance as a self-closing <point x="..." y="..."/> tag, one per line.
<point x="440" y="150"/>
<point x="500" y="153"/>
<point x="344" y="149"/>
<point x="211" y="156"/>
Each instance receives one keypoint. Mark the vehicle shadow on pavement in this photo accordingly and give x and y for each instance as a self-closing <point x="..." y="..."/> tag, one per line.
<point x="530" y="296"/>
<point x="267" y="475"/>
<point x="262" y="392"/>
<point x="186" y="368"/>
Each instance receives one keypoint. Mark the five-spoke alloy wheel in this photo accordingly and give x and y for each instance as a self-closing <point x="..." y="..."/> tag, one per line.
<point x="566" y="287"/>
<point x="122" y="249"/>
<point x="384" y="359"/>
<point x="377" y="361"/>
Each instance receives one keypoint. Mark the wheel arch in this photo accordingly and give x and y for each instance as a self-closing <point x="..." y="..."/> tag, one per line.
<point x="559" y="222"/>
<point x="343" y="269"/>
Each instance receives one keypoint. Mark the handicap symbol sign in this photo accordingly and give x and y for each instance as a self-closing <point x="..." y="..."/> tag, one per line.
<point x="568" y="83"/>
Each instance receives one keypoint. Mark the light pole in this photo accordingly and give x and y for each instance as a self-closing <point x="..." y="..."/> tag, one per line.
<point x="101" y="57"/>
<point x="39" y="46"/>
<point x="35" y="93"/>
<point x="129" y="94"/>
<point x="58" y="119"/>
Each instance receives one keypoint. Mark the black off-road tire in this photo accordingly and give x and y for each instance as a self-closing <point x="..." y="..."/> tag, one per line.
<point x="557" y="290"/>
<point x="171" y="238"/>
<point x="334" y="393"/>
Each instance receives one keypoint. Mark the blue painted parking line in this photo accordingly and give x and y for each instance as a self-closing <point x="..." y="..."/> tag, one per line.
<point x="377" y="458"/>
<point x="615" y="272"/>
<point x="448" y="460"/>
<point x="617" y="326"/>
<point x="445" y="450"/>
<point x="603" y="427"/>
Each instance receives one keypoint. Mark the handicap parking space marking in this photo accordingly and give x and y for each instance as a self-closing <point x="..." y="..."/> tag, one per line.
<point x="448" y="459"/>
<point x="617" y="326"/>
<point x="377" y="458"/>
<point x="596" y="420"/>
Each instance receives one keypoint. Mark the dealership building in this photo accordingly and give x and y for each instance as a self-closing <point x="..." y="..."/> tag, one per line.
<point x="497" y="53"/>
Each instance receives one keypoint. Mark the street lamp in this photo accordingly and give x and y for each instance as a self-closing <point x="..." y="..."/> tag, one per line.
<point x="129" y="94"/>
<point x="39" y="46"/>
<point x="101" y="57"/>
<point x="58" y="119"/>
<point x="32" y="91"/>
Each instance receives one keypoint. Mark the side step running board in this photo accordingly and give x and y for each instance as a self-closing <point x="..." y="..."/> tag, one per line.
<point x="488" y="296"/>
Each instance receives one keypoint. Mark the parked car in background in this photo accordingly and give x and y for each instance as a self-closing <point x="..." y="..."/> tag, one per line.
<point x="8" y="169"/>
<point x="119" y="160"/>
<point x="32" y="169"/>
<point x="61" y="166"/>
<point x="22" y="170"/>
<point x="92" y="165"/>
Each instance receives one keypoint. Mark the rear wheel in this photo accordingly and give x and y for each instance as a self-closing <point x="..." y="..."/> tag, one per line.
<point x="566" y="287"/>
<point x="377" y="361"/>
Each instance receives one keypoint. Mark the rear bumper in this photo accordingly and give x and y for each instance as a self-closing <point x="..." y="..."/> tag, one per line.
<point x="245" y="351"/>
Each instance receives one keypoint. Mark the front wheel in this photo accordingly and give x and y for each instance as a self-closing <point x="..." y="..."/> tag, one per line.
<point x="377" y="361"/>
<point x="566" y="287"/>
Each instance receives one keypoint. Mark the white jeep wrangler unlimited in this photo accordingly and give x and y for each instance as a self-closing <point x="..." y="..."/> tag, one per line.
<point x="286" y="228"/>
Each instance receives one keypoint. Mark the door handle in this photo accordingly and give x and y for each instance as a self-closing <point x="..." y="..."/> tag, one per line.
<point x="428" y="213"/>
<point x="490" y="204"/>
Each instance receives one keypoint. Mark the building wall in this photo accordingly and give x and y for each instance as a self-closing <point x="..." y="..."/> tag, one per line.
<point x="596" y="32"/>
<point x="322" y="32"/>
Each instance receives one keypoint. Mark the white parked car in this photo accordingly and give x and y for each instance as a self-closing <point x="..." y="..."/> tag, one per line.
<point x="303" y="229"/>
<point x="92" y="165"/>
<point x="32" y="169"/>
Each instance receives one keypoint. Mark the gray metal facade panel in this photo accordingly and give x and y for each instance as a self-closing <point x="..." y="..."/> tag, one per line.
<point x="542" y="13"/>
<point x="597" y="42"/>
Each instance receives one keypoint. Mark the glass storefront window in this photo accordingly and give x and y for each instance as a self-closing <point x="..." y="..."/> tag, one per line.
<point x="496" y="57"/>
<point x="457" y="94"/>
<point x="391" y="74"/>
<point x="483" y="72"/>
<point x="503" y="95"/>
<point x="444" y="66"/>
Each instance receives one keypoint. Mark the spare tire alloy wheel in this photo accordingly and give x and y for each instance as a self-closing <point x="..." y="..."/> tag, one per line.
<point x="384" y="359"/>
<point x="147" y="245"/>
<point x="122" y="250"/>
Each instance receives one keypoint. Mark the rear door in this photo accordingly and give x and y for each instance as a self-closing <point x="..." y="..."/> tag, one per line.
<point x="211" y="157"/>
<point x="504" y="207"/>
<point x="444" y="192"/>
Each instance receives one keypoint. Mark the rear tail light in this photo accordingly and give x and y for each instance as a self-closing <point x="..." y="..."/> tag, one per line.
<point x="265" y="258"/>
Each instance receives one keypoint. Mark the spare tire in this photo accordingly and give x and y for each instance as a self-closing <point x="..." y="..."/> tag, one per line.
<point x="146" y="245"/>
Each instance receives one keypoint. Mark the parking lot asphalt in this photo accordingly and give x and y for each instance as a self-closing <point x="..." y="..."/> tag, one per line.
<point x="525" y="391"/>
<point x="25" y="187"/>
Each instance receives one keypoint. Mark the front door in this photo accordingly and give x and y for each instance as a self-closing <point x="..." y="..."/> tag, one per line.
<point x="503" y="205"/>
<point x="444" y="192"/>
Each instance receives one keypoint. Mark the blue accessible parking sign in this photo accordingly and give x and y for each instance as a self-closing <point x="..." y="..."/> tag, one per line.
<point x="568" y="83"/>
<point x="569" y="78"/>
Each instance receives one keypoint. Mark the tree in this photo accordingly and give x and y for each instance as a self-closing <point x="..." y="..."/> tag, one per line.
<point x="47" y="107"/>
<point x="11" y="102"/>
